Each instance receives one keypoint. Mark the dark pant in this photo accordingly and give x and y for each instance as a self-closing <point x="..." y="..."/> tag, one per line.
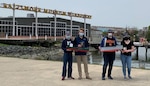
<point x="108" y="59"/>
<point x="67" y="58"/>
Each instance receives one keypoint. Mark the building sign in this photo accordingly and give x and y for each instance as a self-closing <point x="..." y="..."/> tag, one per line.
<point x="37" y="9"/>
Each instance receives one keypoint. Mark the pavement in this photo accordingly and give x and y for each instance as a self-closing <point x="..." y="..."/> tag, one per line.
<point x="27" y="72"/>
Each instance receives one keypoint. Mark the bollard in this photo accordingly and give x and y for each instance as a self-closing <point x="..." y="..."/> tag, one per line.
<point x="90" y="58"/>
<point x="6" y="36"/>
<point x="30" y="36"/>
<point x="45" y="37"/>
<point x="37" y="37"/>
<point x="142" y="64"/>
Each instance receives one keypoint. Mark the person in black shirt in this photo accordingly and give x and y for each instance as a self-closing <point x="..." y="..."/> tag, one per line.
<point x="126" y="57"/>
<point x="109" y="57"/>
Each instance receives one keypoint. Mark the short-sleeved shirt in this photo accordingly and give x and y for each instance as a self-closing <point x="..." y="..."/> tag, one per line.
<point x="127" y="46"/>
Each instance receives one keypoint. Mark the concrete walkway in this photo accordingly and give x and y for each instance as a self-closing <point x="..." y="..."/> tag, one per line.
<point x="25" y="72"/>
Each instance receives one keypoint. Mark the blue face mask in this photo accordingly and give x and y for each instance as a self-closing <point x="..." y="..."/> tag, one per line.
<point x="81" y="34"/>
<point x="68" y="37"/>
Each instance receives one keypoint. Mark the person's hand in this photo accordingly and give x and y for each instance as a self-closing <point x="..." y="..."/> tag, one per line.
<point x="117" y="50"/>
<point x="122" y="51"/>
<point x="126" y="51"/>
<point x="79" y="45"/>
<point x="68" y="50"/>
<point x="99" y="48"/>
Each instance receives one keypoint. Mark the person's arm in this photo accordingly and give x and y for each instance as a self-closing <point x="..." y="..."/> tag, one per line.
<point x="63" y="46"/>
<point x="87" y="43"/>
<point x="101" y="43"/>
<point x="75" y="42"/>
<point x="122" y="42"/>
<point x="132" y="49"/>
<point x="115" y="41"/>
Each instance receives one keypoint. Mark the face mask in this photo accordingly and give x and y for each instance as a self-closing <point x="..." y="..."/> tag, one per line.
<point x="81" y="34"/>
<point x="127" y="41"/>
<point x="68" y="37"/>
<point x="109" y="35"/>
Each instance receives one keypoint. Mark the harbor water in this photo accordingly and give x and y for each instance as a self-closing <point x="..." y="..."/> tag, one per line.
<point x="97" y="58"/>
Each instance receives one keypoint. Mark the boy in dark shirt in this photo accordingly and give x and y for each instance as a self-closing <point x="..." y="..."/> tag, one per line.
<point x="67" y="58"/>
<point x="109" y="57"/>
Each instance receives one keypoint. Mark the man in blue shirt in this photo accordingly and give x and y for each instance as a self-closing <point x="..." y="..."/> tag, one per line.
<point x="81" y="42"/>
<point x="109" y="57"/>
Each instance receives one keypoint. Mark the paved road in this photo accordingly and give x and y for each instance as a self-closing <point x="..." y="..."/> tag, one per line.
<point x="25" y="72"/>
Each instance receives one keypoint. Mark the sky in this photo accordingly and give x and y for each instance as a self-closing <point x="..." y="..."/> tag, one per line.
<point x="111" y="13"/>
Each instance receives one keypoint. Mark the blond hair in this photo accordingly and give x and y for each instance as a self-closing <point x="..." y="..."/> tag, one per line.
<point x="81" y="29"/>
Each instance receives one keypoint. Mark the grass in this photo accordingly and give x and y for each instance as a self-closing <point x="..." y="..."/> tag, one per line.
<point x="1" y="44"/>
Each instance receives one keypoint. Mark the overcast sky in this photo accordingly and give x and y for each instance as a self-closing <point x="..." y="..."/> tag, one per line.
<point x="116" y="13"/>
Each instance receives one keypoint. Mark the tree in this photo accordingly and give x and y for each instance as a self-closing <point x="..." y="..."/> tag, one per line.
<point x="104" y="33"/>
<point x="148" y="34"/>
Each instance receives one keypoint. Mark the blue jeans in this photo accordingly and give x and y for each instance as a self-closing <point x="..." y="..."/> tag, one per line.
<point x="126" y="61"/>
<point x="67" y="58"/>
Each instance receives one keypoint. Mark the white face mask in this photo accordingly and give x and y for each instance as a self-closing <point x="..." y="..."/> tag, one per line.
<point x="68" y="37"/>
<point x="109" y="35"/>
<point x="81" y="34"/>
<point x="127" y="41"/>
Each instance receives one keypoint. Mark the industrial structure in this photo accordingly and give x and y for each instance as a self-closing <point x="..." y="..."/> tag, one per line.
<point x="34" y="27"/>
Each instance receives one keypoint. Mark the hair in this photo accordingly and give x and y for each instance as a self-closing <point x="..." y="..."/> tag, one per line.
<point x="67" y="33"/>
<point x="110" y="31"/>
<point x="126" y="38"/>
<point x="81" y="29"/>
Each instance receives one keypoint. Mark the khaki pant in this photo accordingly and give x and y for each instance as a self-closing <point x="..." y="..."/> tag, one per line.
<point x="82" y="58"/>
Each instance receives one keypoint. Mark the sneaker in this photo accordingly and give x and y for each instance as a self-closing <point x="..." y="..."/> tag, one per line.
<point x="103" y="78"/>
<point x="109" y="77"/>
<point x="130" y="77"/>
<point x="80" y="78"/>
<point x="63" y="78"/>
<point x="89" y="78"/>
<point x="71" y="78"/>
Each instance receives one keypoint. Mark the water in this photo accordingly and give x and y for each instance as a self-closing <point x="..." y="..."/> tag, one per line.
<point x="98" y="59"/>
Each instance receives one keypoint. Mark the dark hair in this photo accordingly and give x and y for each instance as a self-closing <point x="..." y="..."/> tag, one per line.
<point x="110" y="31"/>
<point x="126" y="38"/>
<point x="82" y="29"/>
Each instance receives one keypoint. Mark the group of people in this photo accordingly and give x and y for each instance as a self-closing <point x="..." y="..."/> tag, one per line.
<point x="82" y="42"/>
<point x="109" y="57"/>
